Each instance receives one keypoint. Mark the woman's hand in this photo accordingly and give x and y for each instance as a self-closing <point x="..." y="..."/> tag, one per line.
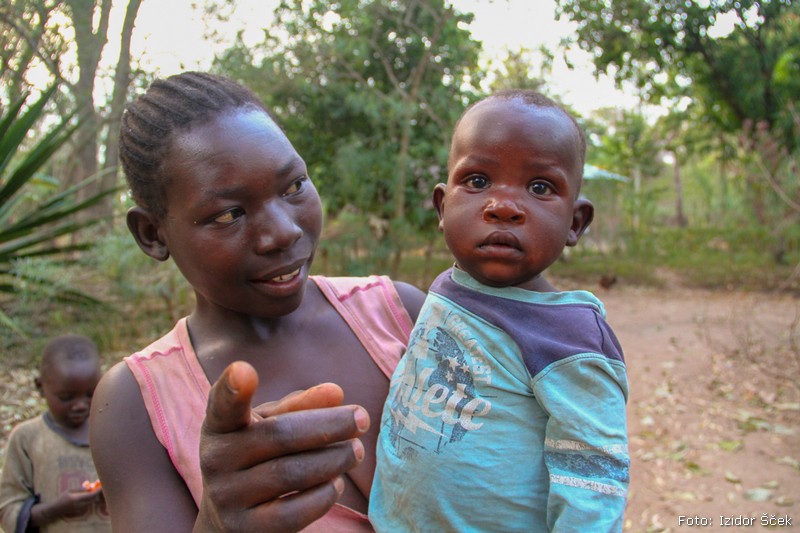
<point x="277" y="467"/>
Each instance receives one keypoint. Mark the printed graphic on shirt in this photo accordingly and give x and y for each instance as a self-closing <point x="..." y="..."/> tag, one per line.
<point x="433" y="400"/>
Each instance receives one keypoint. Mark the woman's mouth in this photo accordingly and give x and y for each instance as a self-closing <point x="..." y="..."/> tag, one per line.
<point x="286" y="277"/>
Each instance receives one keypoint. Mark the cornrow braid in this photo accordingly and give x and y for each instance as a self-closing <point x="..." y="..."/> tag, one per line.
<point x="169" y="106"/>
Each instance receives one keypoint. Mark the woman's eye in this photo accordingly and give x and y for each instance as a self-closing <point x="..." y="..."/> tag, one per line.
<point x="477" y="182"/>
<point x="540" y="188"/>
<point x="296" y="186"/>
<point x="228" y="216"/>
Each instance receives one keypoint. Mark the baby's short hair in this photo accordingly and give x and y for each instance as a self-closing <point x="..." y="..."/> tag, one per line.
<point x="170" y="105"/>
<point x="535" y="99"/>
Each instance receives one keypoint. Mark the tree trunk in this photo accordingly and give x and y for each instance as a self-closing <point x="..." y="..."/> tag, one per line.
<point x="680" y="217"/>
<point x="122" y="80"/>
<point x="90" y="43"/>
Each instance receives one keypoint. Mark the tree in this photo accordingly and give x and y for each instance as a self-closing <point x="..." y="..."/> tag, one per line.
<point x="35" y="37"/>
<point x="672" y="48"/>
<point x="30" y="227"/>
<point x="369" y="91"/>
<point x="741" y="83"/>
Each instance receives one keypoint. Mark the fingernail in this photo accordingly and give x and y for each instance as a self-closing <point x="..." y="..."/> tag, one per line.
<point x="231" y="381"/>
<point x="338" y="484"/>
<point x="358" y="449"/>
<point x="362" y="419"/>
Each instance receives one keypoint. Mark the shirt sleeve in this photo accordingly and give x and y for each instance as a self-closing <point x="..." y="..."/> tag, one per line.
<point x="16" y="485"/>
<point x="586" y="442"/>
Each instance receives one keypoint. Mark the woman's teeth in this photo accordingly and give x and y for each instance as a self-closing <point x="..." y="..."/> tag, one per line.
<point x="286" y="277"/>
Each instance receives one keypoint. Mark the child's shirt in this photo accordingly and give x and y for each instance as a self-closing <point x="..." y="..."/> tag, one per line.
<point x="40" y="465"/>
<point x="507" y="413"/>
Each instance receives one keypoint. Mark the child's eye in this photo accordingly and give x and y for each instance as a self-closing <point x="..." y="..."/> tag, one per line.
<point x="296" y="186"/>
<point x="228" y="216"/>
<point x="477" y="182"/>
<point x="540" y="188"/>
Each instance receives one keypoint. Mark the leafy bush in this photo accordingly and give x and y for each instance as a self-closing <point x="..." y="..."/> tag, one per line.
<point x="33" y="227"/>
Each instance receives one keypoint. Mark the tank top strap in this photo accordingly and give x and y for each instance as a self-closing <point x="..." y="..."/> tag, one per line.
<point x="372" y="308"/>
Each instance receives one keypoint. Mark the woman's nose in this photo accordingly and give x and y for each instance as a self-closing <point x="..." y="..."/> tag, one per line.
<point x="503" y="209"/>
<point x="277" y="229"/>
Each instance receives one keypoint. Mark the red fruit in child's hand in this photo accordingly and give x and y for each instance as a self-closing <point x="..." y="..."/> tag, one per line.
<point x="91" y="486"/>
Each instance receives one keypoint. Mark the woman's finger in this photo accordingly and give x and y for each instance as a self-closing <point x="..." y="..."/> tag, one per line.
<point x="318" y="397"/>
<point x="230" y="398"/>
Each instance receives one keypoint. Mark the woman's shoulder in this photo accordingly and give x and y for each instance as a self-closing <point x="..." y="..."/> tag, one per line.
<point x="368" y="289"/>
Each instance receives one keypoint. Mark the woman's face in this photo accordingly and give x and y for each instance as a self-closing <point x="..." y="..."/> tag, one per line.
<point x="243" y="218"/>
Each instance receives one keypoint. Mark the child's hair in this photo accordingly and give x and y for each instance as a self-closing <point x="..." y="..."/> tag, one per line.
<point x="534" y="99"/>
<point x="171" y="105"/>
<point x="67" y="348"/>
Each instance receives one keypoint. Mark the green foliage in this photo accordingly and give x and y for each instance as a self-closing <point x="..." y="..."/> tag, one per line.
<point x="368" y="91"/>
<point x="675" y="49"/>
<point x="31" y="227"/>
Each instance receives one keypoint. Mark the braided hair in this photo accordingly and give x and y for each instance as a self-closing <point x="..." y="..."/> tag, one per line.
<point x="170" y="106"/>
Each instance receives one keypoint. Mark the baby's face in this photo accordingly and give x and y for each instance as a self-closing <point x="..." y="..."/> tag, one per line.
<point x="243" y="218"/>
<point x="509" y="207"/>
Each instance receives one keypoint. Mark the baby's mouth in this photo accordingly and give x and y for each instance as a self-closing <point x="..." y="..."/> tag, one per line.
<point x="501" y="240"/>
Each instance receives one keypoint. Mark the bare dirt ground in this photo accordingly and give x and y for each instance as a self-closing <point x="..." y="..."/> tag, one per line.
<point x="714" y="408"/>
<point x="714" y="412"/>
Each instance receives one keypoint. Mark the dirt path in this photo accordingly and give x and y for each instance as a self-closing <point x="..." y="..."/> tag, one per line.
<point x="714" y="411"/>
<point x="714" y="418"/>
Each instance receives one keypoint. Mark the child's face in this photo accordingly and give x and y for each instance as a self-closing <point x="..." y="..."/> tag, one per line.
<point x="243" y="218"/>
<point x="510" y="204"/>
<point x="68" y="387"/>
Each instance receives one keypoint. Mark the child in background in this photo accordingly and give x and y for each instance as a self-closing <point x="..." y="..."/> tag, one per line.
<point x="221" y="191"/>
<point x="48" y="459"/>
<point x="507" y="412"/>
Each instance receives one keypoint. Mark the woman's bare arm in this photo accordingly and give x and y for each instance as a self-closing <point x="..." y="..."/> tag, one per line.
<point x="143" y="490"/>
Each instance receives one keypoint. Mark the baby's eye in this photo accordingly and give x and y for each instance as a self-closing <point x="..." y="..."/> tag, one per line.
<point x="296" y="186"/>
<point x="540" y="188"/>
<point x="477" y="181"/>
<point x="228" y="216"/>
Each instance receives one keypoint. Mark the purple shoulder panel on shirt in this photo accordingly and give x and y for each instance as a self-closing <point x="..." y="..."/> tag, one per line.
<point x="545" y="333"/>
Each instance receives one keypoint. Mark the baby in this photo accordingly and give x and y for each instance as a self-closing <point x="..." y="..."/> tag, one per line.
<point x="507" y="412"/>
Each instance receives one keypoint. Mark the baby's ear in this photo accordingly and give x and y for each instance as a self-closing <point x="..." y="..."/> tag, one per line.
<point x="144" y="226"/>
<point x="438" y="202"/>
<point x="582" y="215"/>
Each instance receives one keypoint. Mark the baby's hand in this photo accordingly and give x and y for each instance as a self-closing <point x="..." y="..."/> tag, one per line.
<point x="276" y="468"/>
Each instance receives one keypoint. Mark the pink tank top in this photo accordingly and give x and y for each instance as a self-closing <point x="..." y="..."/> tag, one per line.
<point x="175" y="389"/>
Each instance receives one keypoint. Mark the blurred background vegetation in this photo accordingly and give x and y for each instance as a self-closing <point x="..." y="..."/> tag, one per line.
<point x="704" y="193"/>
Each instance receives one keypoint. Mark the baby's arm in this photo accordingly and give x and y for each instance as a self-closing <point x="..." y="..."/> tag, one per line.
<point x="586" y="445"/>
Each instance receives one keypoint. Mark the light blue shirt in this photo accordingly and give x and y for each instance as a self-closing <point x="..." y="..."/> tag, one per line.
<point x="507" y="413"/>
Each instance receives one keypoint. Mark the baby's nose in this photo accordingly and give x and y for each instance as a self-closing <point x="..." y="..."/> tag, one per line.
<point x="500" y="209"/>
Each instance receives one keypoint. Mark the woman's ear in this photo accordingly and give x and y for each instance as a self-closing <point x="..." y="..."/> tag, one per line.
<point x="582" y="215"/>
<point x="144" y="227"/>
<point x="438" y="202"/>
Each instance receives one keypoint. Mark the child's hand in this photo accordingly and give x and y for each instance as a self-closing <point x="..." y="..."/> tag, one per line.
<point x="251" y="459"/>
<point x="68" y="505"/>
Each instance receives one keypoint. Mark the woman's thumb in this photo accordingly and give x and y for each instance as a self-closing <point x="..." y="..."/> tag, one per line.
<point x="230" y="399"/>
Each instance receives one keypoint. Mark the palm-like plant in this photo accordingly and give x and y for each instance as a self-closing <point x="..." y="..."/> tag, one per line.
<point x="35" y="229"/>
